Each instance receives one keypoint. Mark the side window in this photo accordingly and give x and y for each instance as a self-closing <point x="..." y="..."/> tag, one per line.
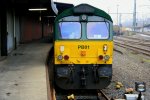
<point x="70" y="30"/>
<point x="97" y="30"/>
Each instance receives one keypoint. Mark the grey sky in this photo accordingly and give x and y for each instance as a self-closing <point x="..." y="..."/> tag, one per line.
<point x="124" y="6"/>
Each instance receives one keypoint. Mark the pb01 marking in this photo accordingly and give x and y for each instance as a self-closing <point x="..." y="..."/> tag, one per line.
<point x="83" y="47"/>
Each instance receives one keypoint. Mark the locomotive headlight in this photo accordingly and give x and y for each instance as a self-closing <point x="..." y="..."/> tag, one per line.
<point x="60" y="57"/>
<point x="106" y="57"/>
<point x="62" y="48"/>
<point x="84" y="17"/>
<point x="105" y="47"/>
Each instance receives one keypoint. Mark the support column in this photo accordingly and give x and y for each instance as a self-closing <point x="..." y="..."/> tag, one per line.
<point x="14" y="20"/>
<point x="3" y="29"/>
<point x="42" y="25"/>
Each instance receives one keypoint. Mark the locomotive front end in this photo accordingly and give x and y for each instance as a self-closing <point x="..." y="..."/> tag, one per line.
<point x="83" y="49"/>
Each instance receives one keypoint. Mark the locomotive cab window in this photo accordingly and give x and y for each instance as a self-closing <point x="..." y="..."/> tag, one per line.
<point x="70" y="30"/>
<point x="97" y="30"/>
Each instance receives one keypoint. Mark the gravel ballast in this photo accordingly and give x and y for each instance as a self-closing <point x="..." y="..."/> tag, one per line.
<point x="129" y="67"/>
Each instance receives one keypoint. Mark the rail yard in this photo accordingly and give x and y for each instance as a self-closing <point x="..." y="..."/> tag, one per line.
<point x="131" y="64"/>
<point x="75" y="50"/>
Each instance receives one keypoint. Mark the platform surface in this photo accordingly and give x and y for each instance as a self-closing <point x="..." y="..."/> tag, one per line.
<point x="23" y="73"/>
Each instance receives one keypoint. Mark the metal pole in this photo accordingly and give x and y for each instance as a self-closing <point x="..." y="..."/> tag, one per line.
<point x="139" y="96"/>
<point x="134" y="16"/>
<point x="120" y="15"/>
<point x="120" y="24"/>
<point x="117" y="14"/>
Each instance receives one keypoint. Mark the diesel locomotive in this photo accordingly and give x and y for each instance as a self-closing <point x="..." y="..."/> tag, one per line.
<point x="83" y="48"/>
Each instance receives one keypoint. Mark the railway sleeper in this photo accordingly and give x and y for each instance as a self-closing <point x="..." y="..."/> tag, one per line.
<point x="93" y="95"/>
<point x="80" y="97"/>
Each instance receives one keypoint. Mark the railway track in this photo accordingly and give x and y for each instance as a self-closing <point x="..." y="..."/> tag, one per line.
<point x="132" y="40"/>
<point x="139" y="49"/>
<point x="99" y="96"/>
<point x="145" y="33"/>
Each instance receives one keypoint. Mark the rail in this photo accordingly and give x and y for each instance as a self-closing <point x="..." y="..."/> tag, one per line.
<point x="102" y="95"/>
<point x="139" y="45"/>
<point x="133" y="47"/>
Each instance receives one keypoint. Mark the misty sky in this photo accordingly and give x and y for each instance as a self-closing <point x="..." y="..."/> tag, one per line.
<point x="124" y="6"/>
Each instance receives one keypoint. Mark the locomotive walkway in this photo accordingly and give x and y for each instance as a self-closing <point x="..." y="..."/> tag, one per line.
<point x="23" y="73"/>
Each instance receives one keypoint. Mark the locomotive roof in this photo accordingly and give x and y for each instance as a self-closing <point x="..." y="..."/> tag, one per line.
<point x="84" y="9"/>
